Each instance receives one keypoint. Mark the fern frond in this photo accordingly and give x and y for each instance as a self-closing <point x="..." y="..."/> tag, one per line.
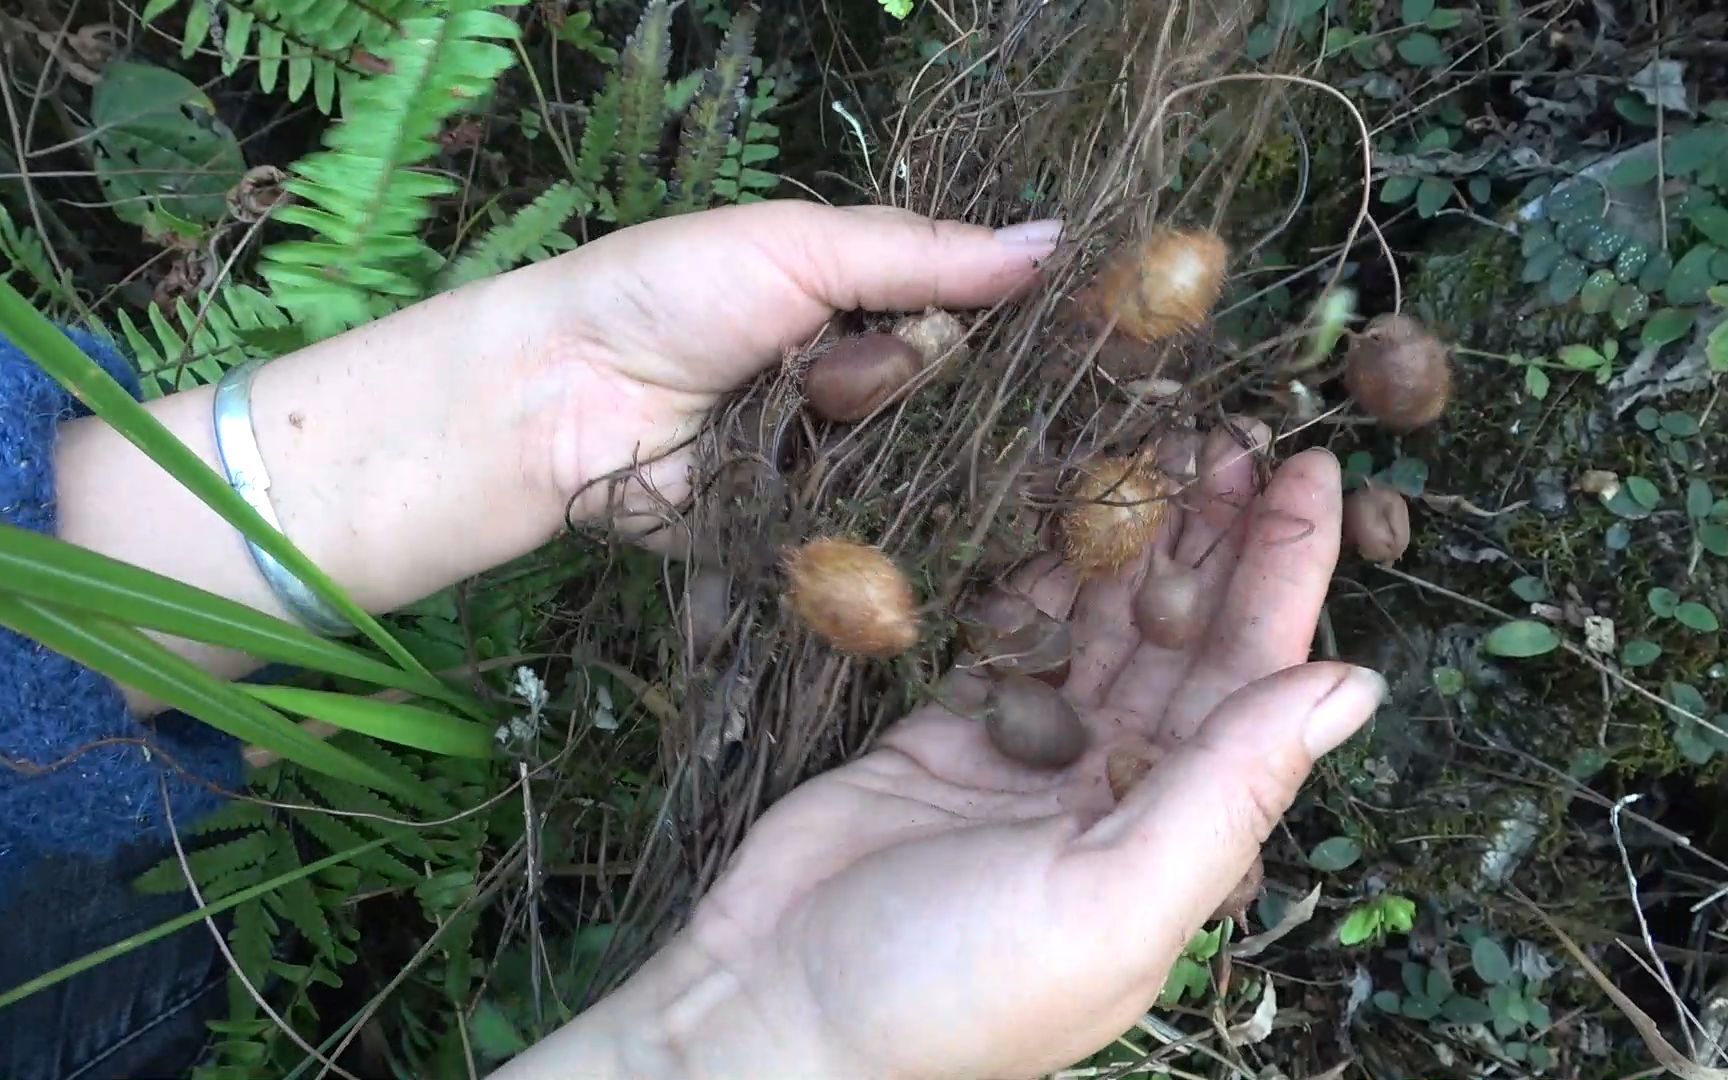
<point x="297" y="901"/>
<point x="207" y="864"/>
<point x="250" y="940"/>
<point x="23" y="252"/>
<point x="737" y="179"/>
<point x="240" y="323"/>
<point x="337" y="835"/>
<point x="709" y="123"/>
<point x="642" y="114"/>
<point x="361" y="197"/>
<point x="314" y="38"/>
<point x="529" y="235"/>
<point x="424" y="796"/>
<point x="352" y="798"/>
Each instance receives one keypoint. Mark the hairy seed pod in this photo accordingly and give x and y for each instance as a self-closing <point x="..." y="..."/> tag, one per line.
<point x="1162" y="286"/>
<point x="1009" y="634"/>
<point x="1399" y="373"/>
<point x="1169" y="608"/>
<point x="853" y="597"/>
<point x="1118" y="504"/>
<point x="1123" y="769"/>
<point x="1031" y="723"/>
<point x="938" y="337"/>
<point x="1236" y="904"/>
<point x="859" y="375"/>
<point x="1377" y="523"/>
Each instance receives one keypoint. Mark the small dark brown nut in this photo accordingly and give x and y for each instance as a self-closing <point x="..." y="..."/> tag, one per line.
<point x="1030" y="722"/>
<point x="1170" y="606"/>
<point x="859" y="375"/>
<point x="1399" y="373"/>
<point x="1377" y="523"/>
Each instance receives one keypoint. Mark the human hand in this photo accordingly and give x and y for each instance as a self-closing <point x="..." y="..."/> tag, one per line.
<point x="934" y="910"/>
<point x="628" y="341"/>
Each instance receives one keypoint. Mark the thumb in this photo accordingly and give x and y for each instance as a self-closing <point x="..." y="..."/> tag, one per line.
<point x="1195" y="824"/>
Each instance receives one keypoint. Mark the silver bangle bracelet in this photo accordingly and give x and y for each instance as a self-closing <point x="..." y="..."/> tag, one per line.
<point x="237" y="450"/>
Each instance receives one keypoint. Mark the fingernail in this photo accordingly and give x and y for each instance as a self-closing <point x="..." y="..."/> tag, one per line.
<point x="1339" y="714"/>
<point x="1036" y="238"/>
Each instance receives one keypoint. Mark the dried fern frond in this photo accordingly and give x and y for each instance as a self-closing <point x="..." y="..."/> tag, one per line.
<point x="642" y="115"/>
<point x="709" y="124"/>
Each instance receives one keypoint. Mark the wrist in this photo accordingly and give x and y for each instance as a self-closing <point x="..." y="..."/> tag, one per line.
<point x="686" y="1013"/>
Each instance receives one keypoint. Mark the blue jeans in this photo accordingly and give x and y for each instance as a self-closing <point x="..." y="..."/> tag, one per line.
<point x="140" y="1015"/>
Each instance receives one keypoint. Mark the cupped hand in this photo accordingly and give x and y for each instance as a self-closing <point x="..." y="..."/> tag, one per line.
<point x="628" y="341"/>
<point x="934" y="910"/>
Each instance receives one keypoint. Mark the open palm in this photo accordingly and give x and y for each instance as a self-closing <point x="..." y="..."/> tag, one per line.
<point x="933" y="909"/>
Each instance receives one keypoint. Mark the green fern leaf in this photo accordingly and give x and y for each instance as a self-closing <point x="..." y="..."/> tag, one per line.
<point x="249" y="939"/>
<point x="361" y="197"/>
<point x="297" y="901"/>
<point x="23" y="252"/>
<point x="206" y="864"/>
<point x="239" y="323"/>
<point x="599" y="137"/>
<point x="642" y="114"/>
<point x="352" y="798"/>
<point x="529" y="235"/>
<point x="336" y="835"/>
<point x="709" y="124"/>
<point x="424" y="798"/>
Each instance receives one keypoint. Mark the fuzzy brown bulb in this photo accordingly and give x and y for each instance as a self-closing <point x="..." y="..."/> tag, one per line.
<point x="1118" y="503"/>
<point x="1399" y="373"/>
<point x="1377" y="523"/>
<point x="1161" y="286"/>
<point x="1169" y="607"/>
<point x="1032" y="723"/>
<point x="1009" y="634"/>
<point x="853" y="597"/>
<point x="938" y="337"/>
<point x="859" y="375"/>
<point x="1123" y="769"/>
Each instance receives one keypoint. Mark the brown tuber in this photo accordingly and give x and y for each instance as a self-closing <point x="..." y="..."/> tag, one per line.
<point x="1169" y="607"/>
<point x="1162" y="286"/>
<point x="1010" y="635"/>
<point x="859" y="375"/>
<point x="853" y="597"/>
<point x="1119" y="502"/>
<point x="1399" y="373"/>
<point x="1032" y="723"/>
<point x="1377" y="523"/>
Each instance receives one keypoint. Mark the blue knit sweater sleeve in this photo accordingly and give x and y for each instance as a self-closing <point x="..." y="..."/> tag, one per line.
<point x="62" y="789"/>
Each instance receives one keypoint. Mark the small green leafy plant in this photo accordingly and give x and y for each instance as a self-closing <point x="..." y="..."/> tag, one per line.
<point x="1370" y="923"/>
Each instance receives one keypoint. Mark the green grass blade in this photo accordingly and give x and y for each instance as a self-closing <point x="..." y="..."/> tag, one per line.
<point x="408" y="725"/>
<point x="131" y="659"/>
<point x="137" y="941"/>
<point x="57" y="573"/>
<point x="82" y="377"/>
